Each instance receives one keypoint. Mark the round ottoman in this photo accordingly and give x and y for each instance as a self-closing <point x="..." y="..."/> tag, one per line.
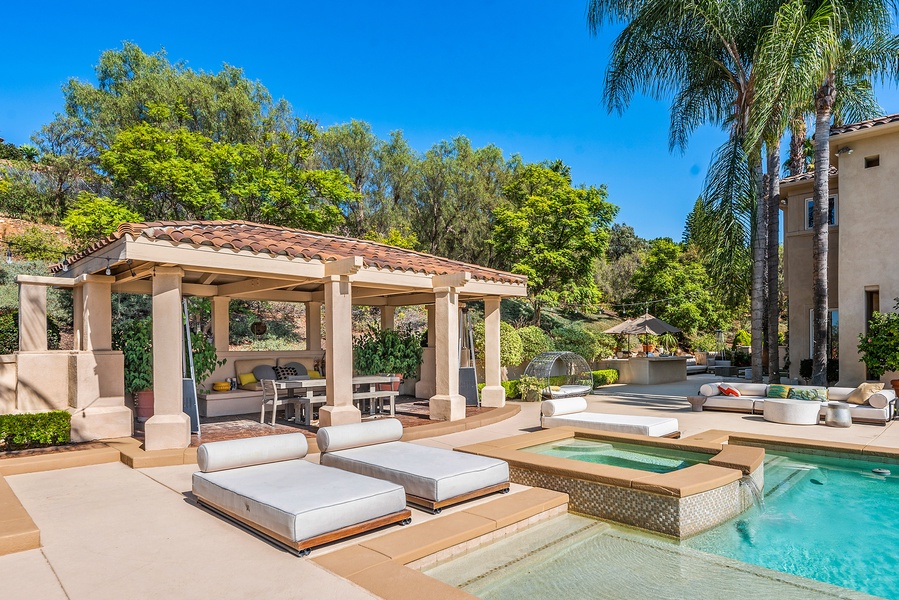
<point x="792" y="412"/>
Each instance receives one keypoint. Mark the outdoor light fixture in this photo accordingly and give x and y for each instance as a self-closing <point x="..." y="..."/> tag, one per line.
<point x="9" y="256"/>
<point x="844" y="150"/>
<point x="108" y="270"/>
<point x="65" y="262"/>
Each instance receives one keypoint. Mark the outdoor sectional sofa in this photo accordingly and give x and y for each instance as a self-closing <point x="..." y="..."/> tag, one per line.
<point x="264" y="484"/>
<point x="248" y="397"/>
<point x="880" y="408"/>
<point x="432" y="477"/>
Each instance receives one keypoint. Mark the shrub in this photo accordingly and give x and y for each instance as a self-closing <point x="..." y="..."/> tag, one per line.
<point x="580" y="340"/>
<point x="511" y="387"/>
<point x="93" y="217"/>
<point x="880" y="346"/>
<point x="36" y="243"/>
<point x="529" y="388"/>
<point x="742" y="338"/>
<point x="534" y="341"/>
<point x="9" y="332"/>
<point x="604" y="377"/>
<point x="510" y="351"/>
<point x="34" y="430"/>
<point x="134" y="339"/>
<point x="704" y="343"/>
<point x="388" y="351"/>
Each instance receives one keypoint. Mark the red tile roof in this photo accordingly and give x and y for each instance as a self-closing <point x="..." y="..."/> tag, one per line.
<point x="805" y="176"/>
<point x="295" y="243"/>
<point x="838" y="129"/>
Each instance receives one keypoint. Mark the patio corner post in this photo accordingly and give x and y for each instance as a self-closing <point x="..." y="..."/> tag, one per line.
<point x="339" y="353"/>
<point x="388" y="314"/>
<point x="96" y="313"/>
<point x="426" y="386"/>
<point x="32" y="318"/>
<point x="313" y="325"/>
<point x="447" y="404"/>
<point x="221" y="322"/>
<point x="169" y="427"/>
<point x="493" y="393"/>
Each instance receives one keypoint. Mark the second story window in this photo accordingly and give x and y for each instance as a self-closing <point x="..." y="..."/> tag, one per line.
<point x="810" y="212"/>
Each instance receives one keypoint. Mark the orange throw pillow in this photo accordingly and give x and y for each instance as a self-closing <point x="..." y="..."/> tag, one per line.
<point x="729" y="391"/>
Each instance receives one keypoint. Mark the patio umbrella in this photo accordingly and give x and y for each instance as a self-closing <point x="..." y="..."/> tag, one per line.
<point x="650" y="324"/>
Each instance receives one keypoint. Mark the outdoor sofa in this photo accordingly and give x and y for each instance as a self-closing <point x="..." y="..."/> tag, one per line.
<point x="264" y="484"/>
<point x="432" y="477"/>
<point x="880" y="407"/>
<point x="572" y="412"/>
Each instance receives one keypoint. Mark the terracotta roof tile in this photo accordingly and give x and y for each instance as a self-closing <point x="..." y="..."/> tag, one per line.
<point x="294" y="243"/>
<point x="805" y="176"/>
<point x="838" y="129"/>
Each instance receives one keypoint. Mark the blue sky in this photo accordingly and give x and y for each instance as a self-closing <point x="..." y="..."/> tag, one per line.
<point x="524" y="75"/>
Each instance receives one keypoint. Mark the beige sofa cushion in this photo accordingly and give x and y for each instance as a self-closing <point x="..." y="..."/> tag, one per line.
<point x="247" y="365"/>
<point x="864" y="391"/>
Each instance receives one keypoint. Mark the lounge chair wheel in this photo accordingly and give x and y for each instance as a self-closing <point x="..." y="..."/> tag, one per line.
<point x="505" y="491"/>
<point x="304" y="552"/>
<point x="405" y="521"/>
<point x="436" y="511"/>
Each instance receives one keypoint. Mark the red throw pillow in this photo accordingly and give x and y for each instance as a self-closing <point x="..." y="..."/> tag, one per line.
<point x="729" y="391"/>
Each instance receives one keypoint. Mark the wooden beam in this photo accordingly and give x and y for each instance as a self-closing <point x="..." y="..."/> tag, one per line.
<point x="456" y="280"/>
<point x="46" y="281"/>
<point x="145" y="286"/>
<point x="208" y="278"/>
<point x="285" y="296"/>
<point x="344" y="266"/>
<point x="254" y="285"/>
<point x="138" y="273"/>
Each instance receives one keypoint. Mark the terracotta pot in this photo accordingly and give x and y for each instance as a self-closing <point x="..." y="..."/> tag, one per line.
<point x="648" y="348"/>
<point x="895" y="384"/>
<point x="145" y="403"/>
<point x="393" y="386"/>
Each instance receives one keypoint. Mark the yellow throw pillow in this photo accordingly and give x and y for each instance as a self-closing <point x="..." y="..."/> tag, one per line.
<point x="314" y="374"/>
<point x="861" y="394"/>
<point x="246" y="378"/>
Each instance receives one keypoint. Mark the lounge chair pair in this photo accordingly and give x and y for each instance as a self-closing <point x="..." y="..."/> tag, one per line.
<point x="364" y="482"/>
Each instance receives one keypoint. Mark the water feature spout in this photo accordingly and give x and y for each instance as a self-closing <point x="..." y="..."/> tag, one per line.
<point x="755" y="492"/>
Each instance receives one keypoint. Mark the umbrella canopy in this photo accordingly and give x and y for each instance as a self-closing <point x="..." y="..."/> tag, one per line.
<point x="642" y="325"/>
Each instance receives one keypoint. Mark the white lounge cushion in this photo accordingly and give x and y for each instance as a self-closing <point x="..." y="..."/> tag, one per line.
<point x="568" y="390"/>
<point x="744" y="403"/>
<point x="563" y="406"/>
<point x="232" y="454"/>
<point x="746" y="389"/>
<point x="431" y="473"/>
<point x="298" y="499"/>
<point x="354" y="435"/>
<point x="654" y="426"/>
<point x="839" y="393"/>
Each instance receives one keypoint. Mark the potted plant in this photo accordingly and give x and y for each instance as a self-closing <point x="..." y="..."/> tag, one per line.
<point x="649" y="343"/>
<point x="669" y="341"/>
<point x="880" y="346"/>
<point x="388" y="352"/>
<point x="531" y="388"/>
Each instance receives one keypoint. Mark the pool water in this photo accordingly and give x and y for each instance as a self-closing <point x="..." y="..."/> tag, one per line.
<point x="827" y="519"/>
<point x="631" y="456"/>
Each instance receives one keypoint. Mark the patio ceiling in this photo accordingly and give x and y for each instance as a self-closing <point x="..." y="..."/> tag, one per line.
<point x="262" y="262"/>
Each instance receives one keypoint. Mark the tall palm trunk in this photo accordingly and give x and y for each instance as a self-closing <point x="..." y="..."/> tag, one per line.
<point x="759" y="264"/>
<point x="773" y="261"/>
<point x="796" y="165"/>
<point x="824" y="101"/>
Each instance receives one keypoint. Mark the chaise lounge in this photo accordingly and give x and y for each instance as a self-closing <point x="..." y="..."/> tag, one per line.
<point x="264" y="484"/>
<point x="433" y="478"/>
<point x="572" y="412"/>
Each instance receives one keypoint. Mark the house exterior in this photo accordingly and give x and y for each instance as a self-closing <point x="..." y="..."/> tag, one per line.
<point x="862" y="272"/>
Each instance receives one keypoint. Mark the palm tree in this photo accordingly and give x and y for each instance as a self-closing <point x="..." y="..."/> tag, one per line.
<point x="700" y="53"/>
<point x="828" y="51"/>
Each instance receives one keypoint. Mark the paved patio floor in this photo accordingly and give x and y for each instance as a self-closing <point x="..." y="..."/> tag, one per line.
<point x="112" y="532"/>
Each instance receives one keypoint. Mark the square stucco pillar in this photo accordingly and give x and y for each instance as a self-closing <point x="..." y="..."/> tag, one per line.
<point x="221" y="322"/>
<point x="314" y="326"/>
<point x="493" y="393"/>
<point x="388" y="314"/>
<point x="339" y="353"/>
<point x="169" y="427"/>
<point x="78" y="317"/>
<point x="426" y="386"/>
<point x="447" y="404"/>
<point x="32" y="318"/>
<point x="96" y="313"/>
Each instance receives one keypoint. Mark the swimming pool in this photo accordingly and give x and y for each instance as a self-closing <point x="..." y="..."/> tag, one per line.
<point x="630" y="456"/>
<point x="828" y="519"/>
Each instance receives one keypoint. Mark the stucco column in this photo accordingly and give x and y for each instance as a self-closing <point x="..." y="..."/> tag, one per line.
<point x="32" y="318"/>
<point x="169" y="427"/>
<point x="447" y="404"/>
<point x="426" y="386"/>
<point x="493" y="393"/>
<point x="78" y="317"/>
<point x="339" y="353"/>
<point x="221" y="322"/>
<point x="388" y="314"/>
<point x="314" y="325"/>
<point x="96" y="325"/>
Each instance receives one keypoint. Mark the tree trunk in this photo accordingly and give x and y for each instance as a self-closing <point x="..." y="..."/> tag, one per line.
<point x="759" y="264"/>
<point x="824" y="100"/>
<point x="773" y="262"/>
<point x="796" y="164"/>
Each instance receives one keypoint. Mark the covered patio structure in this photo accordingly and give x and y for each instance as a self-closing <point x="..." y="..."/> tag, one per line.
<point x="222" y="260"/>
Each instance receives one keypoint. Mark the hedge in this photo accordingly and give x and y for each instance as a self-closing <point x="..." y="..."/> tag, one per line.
<point x="511" y="387"/>
<point x="34" y="430"/>
<point x="604" y="377"/>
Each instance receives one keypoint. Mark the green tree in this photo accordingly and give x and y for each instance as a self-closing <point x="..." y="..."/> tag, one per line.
<point x="93" y="217"/>
<point x="553" y="232"/>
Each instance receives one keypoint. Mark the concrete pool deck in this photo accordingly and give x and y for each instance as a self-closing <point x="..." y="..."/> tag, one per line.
<point x="108" y="531"/>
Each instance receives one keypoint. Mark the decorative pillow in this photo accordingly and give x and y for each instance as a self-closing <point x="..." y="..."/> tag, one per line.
<point x="264" y="372"/>
<point x="285" y="372"/>
<point x="314" y="375"/>
<point x="555" y="388"/>
<point x="778" y="391"/>
<point x="246" y="378"/>
<point x="862" y="393"/>
<point x="300" y="368"/>
<point x="729" y="390"/>
<point x="818" y="394"/>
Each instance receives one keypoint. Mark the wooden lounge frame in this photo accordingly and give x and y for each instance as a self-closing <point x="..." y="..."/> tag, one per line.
<point x="304" y="547"/>
<point x="436" y="507"/>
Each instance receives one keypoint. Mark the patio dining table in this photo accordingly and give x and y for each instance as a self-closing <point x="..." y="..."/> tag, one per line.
<point x="372" y="394"/>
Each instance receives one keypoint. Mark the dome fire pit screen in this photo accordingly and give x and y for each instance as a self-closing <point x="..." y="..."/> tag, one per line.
<point x="563" y="374"/>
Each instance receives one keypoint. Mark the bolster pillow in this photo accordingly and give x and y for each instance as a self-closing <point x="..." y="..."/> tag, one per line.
<point x="355" y="435"/>
<point x="563" y="406"/>
<point x="880" y="399"/>
<point x="710" y="389"/>
<point x="233" y="454"/>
